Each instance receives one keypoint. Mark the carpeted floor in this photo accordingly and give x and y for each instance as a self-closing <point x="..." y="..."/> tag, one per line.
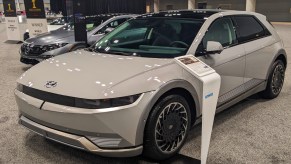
<point x="253" y="131"/>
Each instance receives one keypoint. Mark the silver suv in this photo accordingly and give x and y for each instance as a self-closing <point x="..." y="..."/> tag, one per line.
<point x="126" y="95"/>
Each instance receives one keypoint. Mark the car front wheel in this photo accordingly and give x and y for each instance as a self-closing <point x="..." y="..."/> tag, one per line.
<point x="167" y="127"/>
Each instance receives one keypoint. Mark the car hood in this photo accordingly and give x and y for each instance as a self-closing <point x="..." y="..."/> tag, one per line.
<point x="91" y="75"/>
<point x="56" y="36"/>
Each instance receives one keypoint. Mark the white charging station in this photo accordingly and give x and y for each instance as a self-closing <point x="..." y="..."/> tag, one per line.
<point x="210" y="85"/>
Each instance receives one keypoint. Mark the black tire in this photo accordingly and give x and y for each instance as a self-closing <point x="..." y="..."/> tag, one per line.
<point x="275" y="81"/>
<point x="166" y="126"/>
<point x="78" y="47"/>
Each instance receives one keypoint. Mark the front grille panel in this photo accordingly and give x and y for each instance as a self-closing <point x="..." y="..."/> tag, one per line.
<point x="31" y="50"/>
<point x="74" y="101"/>
<point x="48" y="97"/>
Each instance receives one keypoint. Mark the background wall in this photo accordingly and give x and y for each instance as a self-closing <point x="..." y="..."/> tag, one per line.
<point x="279" y="10"/>
<point x="104" y="6"/>
<point x="1" y="5"/>
<point x="224" y="4"/>
<point x="21" y="4"/>
<point x="173" y="4"/>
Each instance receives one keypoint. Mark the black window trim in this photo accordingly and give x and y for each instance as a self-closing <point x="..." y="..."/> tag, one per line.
<point x="266" y="31"/>
<point x="226" y="47"/>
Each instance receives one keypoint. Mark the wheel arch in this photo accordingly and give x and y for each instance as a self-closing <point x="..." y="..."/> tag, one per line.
<point x="281" y="54"/>
<point x="183" y="88"/>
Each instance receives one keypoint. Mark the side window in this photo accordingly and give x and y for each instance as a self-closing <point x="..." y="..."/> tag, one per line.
<point x="248" y="28"/>
<point x="112" y="24"/>
<point x="221" y="30"/>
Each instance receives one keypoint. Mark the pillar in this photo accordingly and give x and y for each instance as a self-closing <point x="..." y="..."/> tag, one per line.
<point x="251" y="5"/>
<point x="156" y="5"/>
<point x="191" y="4"/>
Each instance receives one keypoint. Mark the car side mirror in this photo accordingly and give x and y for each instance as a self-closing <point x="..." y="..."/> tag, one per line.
<point x="213" y="47"/>
<point x="108" y="30"/>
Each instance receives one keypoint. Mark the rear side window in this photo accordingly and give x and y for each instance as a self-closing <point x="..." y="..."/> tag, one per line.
<point x="249" y="28"/>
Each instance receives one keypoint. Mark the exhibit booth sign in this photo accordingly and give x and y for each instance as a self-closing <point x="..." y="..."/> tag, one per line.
<point x="12" y="25"/>
<point x="209" y="82"/>
<point x="36" y="18"/>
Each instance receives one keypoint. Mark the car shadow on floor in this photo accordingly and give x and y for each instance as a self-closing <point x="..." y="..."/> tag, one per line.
<point x="54" y="151"/>
<point x="225" y="115"/>
<point x="24" y="69"/>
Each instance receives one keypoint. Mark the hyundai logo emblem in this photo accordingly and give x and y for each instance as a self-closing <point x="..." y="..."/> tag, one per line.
<point x="51" y="84"/>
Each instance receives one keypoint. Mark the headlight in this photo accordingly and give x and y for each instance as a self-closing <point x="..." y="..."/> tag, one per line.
<point x="51" y="47"/>
<point x="106" y="103"/>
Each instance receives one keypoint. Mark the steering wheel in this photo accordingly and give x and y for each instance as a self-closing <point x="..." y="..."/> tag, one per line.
<point x="183" y="44"/>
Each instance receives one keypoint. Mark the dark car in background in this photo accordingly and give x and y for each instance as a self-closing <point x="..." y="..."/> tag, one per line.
<point x="62" y="40"/>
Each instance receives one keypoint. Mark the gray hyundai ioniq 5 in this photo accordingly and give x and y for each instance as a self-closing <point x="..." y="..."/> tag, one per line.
<point x="126" y="95"/>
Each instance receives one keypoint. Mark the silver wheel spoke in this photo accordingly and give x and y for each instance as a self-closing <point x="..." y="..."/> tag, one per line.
<point x="169" y="136"/>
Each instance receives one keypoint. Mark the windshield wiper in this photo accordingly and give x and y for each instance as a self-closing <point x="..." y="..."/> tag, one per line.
<point x="91" y="49"/>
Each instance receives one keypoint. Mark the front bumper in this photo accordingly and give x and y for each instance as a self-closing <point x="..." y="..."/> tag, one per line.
<point x="29" y="61"/>
<point x="36" y="58"/>
<point x="76" y="141"/>
<point x="32" y="59"/>
<point x="111" y="132"/>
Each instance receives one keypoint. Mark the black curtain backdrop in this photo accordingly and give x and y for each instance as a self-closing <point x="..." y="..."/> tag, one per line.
<point x="58" y="5"/>
<point x="104" y="6"/>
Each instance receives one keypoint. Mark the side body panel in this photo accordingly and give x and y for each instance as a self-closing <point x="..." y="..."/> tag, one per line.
<point x="259" y="57"/>
<point x="230" y="65"/>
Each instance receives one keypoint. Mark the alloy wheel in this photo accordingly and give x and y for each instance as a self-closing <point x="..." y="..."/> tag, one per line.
<point x="278" y="79"/>
<point x="171" y="127"/>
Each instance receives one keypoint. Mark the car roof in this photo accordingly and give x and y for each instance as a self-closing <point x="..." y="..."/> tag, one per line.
<point x="197" y="13"/>
<point x="93" y="18"/>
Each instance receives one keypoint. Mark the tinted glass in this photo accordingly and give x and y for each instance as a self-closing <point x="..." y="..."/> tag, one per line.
<point x="90" y="25"/>
<point x="151" y="37"/>
<point x="62" y="21"/>
<point x="112" y="24"/>
<point x="222" y="31"/>
<point x="248" y="28"/>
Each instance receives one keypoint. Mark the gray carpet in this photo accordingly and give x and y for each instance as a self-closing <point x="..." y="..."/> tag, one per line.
<point x="253" y="131"/>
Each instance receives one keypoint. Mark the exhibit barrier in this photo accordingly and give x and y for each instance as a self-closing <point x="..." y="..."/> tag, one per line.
<point x="209" y="82"/>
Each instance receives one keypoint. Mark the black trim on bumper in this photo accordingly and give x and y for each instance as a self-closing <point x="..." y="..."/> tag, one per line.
<point x="28" y="61"/>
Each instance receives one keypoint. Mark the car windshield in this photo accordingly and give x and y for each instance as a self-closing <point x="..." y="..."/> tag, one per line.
<point x="61" y="21"/>
<point x="91" y="24"/>
<point x="155" y="37"/>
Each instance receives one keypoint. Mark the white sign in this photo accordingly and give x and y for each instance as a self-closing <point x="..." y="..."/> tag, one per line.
<point x="12" y="29"/>
<point x="210" y="85"/>
<point x="36" y="26"/>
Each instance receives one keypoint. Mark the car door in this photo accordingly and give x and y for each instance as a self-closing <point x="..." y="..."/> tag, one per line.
<point x="100" y="33"/>
<point x="229" y="63"/>
<point x="257" y="42"/>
